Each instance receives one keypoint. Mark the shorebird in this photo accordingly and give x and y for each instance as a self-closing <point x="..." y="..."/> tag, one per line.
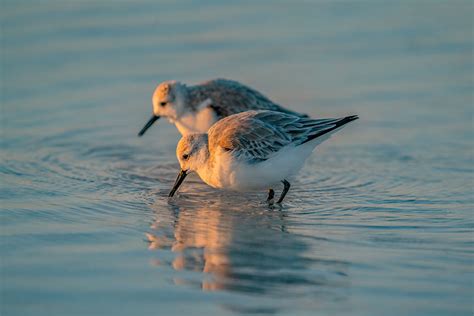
<point x="253" y="150"/>
<point x="194" y="109"/>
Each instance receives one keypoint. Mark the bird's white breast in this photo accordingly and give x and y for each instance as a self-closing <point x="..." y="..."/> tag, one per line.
<point x="196" y="122"/>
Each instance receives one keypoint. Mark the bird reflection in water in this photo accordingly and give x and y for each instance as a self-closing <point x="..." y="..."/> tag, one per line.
<point x="241" y="247"/>
<point x="199" y="244"/>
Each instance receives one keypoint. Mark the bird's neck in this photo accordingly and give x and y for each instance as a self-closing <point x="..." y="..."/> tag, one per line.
<point x="205" y="166"/>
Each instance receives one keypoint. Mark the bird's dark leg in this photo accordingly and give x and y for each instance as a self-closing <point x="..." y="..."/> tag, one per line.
<point x="286" y="187"/>
<point x="271" y="195"/>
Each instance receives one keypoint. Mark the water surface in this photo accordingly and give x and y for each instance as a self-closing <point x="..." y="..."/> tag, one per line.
<point x="379" y="222"/>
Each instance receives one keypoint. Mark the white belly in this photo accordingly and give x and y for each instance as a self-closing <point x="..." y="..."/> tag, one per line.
<point x="231" y="174"/>
<point x="199" y="122"/>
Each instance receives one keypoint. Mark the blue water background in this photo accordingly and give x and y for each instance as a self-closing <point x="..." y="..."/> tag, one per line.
<point x="379" y="222"/>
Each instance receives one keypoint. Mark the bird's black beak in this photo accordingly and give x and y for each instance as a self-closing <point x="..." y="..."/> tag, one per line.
<point x="148" y="124"/>
<point x="182" y="174"/>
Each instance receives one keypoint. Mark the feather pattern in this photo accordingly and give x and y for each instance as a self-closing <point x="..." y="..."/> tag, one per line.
<point x="258" y="135"/>
<point x="230" y="97"/>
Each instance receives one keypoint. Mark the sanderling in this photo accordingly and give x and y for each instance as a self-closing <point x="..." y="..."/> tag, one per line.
<point x="193" y="109"/>
<point x="253" y="150"/>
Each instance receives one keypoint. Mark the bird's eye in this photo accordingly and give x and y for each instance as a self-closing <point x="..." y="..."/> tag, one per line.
<point x="163" y="103"/>
<point x="185" y="156"/>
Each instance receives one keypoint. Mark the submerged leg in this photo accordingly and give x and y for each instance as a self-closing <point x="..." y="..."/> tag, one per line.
<point x="286" y="187"/>
<point x="271" y="195"/>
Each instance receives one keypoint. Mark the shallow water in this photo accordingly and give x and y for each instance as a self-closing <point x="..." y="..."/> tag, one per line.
<point x="379" y="222"/>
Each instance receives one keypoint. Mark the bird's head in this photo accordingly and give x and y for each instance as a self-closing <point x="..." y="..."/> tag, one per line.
<point x="192" y="153"/>
<point x="169" y="100"/>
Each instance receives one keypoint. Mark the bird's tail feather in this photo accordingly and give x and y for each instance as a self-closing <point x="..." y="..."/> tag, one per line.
<point x="318" y="132"/>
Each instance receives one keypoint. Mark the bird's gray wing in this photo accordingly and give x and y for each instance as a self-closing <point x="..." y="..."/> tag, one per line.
<point x="257" y="135"/>
<point x="230" y="97"/>
<point x="302" y="129"/>
<point x="247" y="137"/>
